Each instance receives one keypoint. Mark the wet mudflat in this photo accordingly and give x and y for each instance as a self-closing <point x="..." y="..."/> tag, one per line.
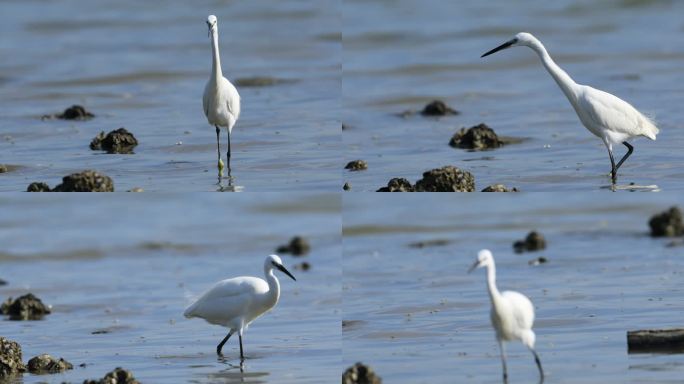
<point x="119" y="278"/>
<point x="413" y="314"/>
<point x="399" y="56"/>
<point x="144" y="67"/>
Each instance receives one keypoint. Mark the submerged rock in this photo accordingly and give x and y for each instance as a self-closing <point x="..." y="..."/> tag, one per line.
<point x="303" y="266"/>
<point x="537" y="261"/>
<point x="38" y="187"/>
<point x="47" y="364"/>
<point x="75" y="112"/>
<point x="667" y="224"/>
<point x="397" y="185"/>
<point x="3" y="282"/>
<point x="85" y="181"/>
<point x="116" y="141"/>
<point x="655" y="340"/>
<point x="356" y="165"/>
<point x="499" y="188"/>
<point x="446" y="179"/>
<point x="478" y="137"/>
<point x="430" y="243"/>
<point x="10" y="358"/>
<point x="27" y="307"/>
<point x="117" y="376"/>
<point x="534" y="241"/>
<point x="360" y="373"/>
<point x="438" y="108"/>
<point x="297" y="246"/>
<point x="260" y="81"/>
<point x="346" y="186"/>
<point x="3" y="168"/>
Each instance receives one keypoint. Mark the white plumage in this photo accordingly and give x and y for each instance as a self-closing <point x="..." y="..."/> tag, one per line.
<point x="512" y="313"/>
<point x="235" y="303"/>
<point x="221" y="100"/>
<point x="610" y="118"/>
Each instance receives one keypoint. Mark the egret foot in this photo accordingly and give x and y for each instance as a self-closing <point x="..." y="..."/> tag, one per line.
<point x="220" y="167"/>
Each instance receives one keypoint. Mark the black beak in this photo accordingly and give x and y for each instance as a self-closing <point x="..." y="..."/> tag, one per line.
<point x="285" y="271"/>
<point x="472" y="267"/>
<point x="502" y="46"/>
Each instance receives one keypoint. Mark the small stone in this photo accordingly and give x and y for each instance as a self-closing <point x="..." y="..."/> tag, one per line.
<point x="346" y="186"/>
<point x="667" y="224"/>
<point x="446" y="179"/>
<point x="438" y="108"/>
<point x="655" y="340"/>
<point x="297" y="246"/>
<point x="136" y="189"/>
<point x="534" y="241"/>
<point x="478" y="137"/>
<point x="45" y="363"/>
<point x="116" y="141"/>
<point x="397" y="185"/>
<point x="499" y="188"/>
<point x="38" y="187"/>
<point x="356" y="165"/>
<point x="117" y="376"/>
<point x="3" y="282"/>
<point x="303" y="266"/>
<point x="3" y="168"/>
<point x="27" y="307"/>
<point x="430" y="243"/>
<point x="85" y="181"/>
<point x="360" y="373"/>
<point x="10" y="358"/>
<point x="75" y="112"/>
<point x="538" y="260"/>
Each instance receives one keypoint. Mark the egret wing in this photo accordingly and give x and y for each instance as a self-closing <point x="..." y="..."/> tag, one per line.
<point x="614" y="114"/>
<point x="232" y="99"/>
<point x="523" y="310"/>
<point x="226" y="299"/>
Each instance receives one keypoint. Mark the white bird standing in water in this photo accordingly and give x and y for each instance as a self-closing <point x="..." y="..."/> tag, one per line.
<point x="221" y="100"/>
<point x="610" y="118"/>
<point x="235" y="303"/>
<point x="512" y="313"/>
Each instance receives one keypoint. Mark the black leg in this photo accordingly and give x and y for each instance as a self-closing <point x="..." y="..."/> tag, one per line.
<point x="613" y="171"/>
<point x="220" y="346"/>
<point x="242" y="357"/>
<point x="536" y="360"/>
<point x="629" y="152"/>
<point x="218" y="144"/>
<point x="228" y="154"/>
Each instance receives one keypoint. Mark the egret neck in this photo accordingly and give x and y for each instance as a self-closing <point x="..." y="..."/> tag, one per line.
<point x="216" y="73"/>
<point x="271" y="298"/>
<point x="491" y="283"/>
<point x="564" y="81"/>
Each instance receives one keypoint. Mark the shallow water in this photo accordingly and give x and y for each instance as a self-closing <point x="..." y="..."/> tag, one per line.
<point x="398" y="56"/>
<point x="144" y="67"/>
<point x="128" y="266"/>
<point x="416" y="316"/>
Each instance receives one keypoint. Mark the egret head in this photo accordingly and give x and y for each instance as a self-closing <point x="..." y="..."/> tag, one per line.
<point x="484" y="259"/>
<point x="274" y="262"/>
<point x="212" y="23"/>
<point x="521" y="39"/>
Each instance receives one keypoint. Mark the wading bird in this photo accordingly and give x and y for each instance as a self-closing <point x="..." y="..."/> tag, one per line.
<point x="221" y="100"/>
<point x="610" y="118"/>
<point x="235" y="303"/>
<point x="512" y="314"/>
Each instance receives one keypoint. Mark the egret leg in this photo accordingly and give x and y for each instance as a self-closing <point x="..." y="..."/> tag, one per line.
<point x="613" y="171"/>
<point x="220" y="346"/>
<point x="228" y="154"/>
<point x="536" y="360"/>
<point x="218" y="151"/>
<point x="503" y="360"/>
<point x="242" y="357"/>
<point x="630" y="149"/>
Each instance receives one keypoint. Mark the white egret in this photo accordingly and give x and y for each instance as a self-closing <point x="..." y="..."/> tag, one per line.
<point x="512" y="314"/>
<point x="610" y="118"/>
<point x="221" y="100"/>
<point x="235" y="303"/>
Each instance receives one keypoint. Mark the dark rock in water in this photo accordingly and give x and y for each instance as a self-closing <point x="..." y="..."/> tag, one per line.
<point x="85" y="181"/>
<point x="345" y="127"/>
<point x="538" y="260"/>
<point x="360" y="373"/>
<point x="397" y="185"/>
<point x="356" y="165"/>
<point x="38" y="187"/>
<point x="75" y="112"/>
<point x="303" y="266"/>
<point x="438" y="108"/>
<point x="10" y="358"/>
<point x="667" y="224"/>
<point x="346" y="186"/>
<point x="117" y="376"/>
<point x="533" y="242"/>
<point x="658" y="340"/>
<point x="446" y="179"/>
<point x="27" y="307"/>
<point x="116" y="141"/>
<point x="477" y="138"/>
<point x="47" y="364"/>
<point x="430" y="243"/>
<point x="3" y="282"/>
<point x="3" y="168"/>
<point x="298" y="246"/>
<point x="499" y="188"/>
<point x="260" y="81"/>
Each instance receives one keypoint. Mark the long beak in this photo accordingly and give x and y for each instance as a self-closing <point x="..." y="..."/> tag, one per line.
<point x="472" y="267"/>
<point x="285" y="271"/>
<point x="502" y="46"/>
